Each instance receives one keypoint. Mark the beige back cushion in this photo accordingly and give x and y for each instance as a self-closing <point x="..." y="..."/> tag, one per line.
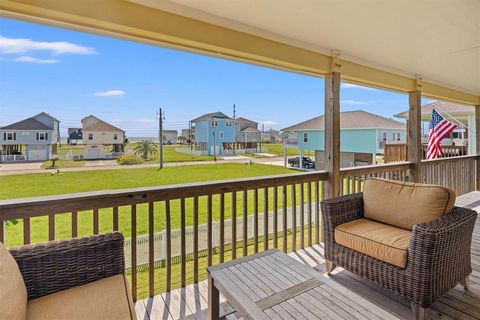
<point x="13" y="294"/>
<point x="404" y="204"/>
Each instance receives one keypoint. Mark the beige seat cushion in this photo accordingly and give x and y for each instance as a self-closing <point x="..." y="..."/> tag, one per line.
<point x="13" y="293"/>
<point x="375" y="239"/>
<point x="404" y="204"/>
<point x="108" y="298"/>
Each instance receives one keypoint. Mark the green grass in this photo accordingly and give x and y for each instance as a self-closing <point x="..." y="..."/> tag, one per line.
<point x="62" y="164"/>
<point x="170" y="155"/>
<point x="30" y="185"/>
<point x="277" y="149"/>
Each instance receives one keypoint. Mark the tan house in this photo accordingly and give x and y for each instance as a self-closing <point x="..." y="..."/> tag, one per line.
<point x="101" y="139"/>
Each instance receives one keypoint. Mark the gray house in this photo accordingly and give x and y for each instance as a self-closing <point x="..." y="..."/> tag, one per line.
<point x="32" y="139"/>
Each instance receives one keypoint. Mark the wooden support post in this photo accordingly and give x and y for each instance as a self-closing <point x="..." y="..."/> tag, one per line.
<point x="332" y="134"/>
<point x="477" y="144"/>
<point x="414" y="134"/>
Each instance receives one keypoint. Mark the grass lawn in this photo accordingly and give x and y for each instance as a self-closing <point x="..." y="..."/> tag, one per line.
<point x="30" y="185"/>
<point x="170" y="155"/>
<point x="63" y="164"/>
<point x="277" y="149"/>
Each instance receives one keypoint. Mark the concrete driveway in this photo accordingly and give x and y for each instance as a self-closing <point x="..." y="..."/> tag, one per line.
<point x="20" y="166"/>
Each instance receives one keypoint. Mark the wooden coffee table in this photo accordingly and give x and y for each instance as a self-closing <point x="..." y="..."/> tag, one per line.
<point x="267" y="285"/>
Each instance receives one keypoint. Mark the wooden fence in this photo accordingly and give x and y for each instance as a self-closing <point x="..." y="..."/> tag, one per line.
<point x="397" y="152"/>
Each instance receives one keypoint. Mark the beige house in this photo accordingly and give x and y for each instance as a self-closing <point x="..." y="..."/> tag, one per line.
<point x="101" y="139"/>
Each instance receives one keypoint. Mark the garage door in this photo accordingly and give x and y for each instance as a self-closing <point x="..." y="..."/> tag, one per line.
<point x="37" y="155"/>
<point x="93" y="154"/>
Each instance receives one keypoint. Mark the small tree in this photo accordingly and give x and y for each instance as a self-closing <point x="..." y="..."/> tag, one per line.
<point x="145" y="148"/>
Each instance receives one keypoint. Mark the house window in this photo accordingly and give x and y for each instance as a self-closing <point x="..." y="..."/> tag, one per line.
<point x="396" y="137"/>
<point x="305" y="137"/>
<point x="228" y="123"/>
<point x="42" y="136"/>
<point x="115" y="136"/>
<point x="384" y="136"/>
<point x="215" y="123"/>
<point x="90" y="136"/>
<point x="10" y="136"/>
<point x="221" y="135"/>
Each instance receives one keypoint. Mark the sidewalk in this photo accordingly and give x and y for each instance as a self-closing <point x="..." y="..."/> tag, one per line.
<point x="26" y="168"/>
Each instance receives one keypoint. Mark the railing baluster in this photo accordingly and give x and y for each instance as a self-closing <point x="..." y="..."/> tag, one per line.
<point x="195" y="239"/>
<point x="183" y="250"/>
<point x="255" y="220"/>
<point x="265" y="219"/>
<point x="2" y="231"/>
<point x="115" y="218"/>
<point x="284" y="240"/>
<point x="222" y="227"/>
<point x="294" y="218"/>
<point x="347" y="179"/>
<point x="234" y="225"/>
<point x="275" y="217"/>
<point x="209" y="229"/>
<point x="26" y="231"/>
<point x="74" y="224"/>
<point x="309" y="213"/>
<point x="302" y="217"/>
<point x="95" y="221"/>
<point x="134" y="251"/>
<point x="168" y="264"/>
<point x="317" y="212"/>
<point x="151" y="249"/>
<point x="51" y="227"/>
<point x="245" y="223"/>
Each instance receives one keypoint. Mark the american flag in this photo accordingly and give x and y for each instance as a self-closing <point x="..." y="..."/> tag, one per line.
<point x="439" y="129"/>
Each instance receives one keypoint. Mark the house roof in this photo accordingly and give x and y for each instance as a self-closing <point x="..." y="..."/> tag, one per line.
<point x="446" y="109"/>
<point x="209" y="116"/>
<point x="250" y="129"/>
<point x="358" y="119"/>
<point x="47" y="114"/>
<point x="75" y="133"/>
<point x="27" y="124"/>
<point x="242" y="119"/>
<point x="100" y="125"/>
<point x="170" y="131"/>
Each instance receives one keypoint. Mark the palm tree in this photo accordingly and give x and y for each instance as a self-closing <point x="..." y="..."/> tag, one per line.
<point x="145" y="148"/>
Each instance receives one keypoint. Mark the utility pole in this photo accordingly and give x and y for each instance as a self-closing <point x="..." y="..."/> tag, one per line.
<point x="161" y="117"/>
<point x="261" y="136"/>
<point x="214" y="145"/>
<point x="234" y="129"/>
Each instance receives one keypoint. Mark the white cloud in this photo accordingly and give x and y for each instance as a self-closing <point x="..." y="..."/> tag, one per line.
<point x="268" y="123"/>
<point x="345" y="85"/>
<point x="35" y="60"/>
<point x="19" y="45"/>
<point x="353" y="102"/>
<point x="110" y="93"/>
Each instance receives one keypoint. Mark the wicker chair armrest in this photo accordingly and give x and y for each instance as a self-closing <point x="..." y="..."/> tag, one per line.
<point x="341" y="209"/>
<point x="439" y="250"/>
<point x="59" y="265"/>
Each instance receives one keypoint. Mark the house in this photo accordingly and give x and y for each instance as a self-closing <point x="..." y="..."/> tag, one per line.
<point x="247" y="135"/>
<point x="75" y="136"/>
<point x="170" y="136"/>
<point x="271" y="136"/>
<point x="463" y="116"/>
<point x="214" y="134"/>
<point x="362" y="136"/>
<point x="32" y="139"/>
<point x="99" y="136"/>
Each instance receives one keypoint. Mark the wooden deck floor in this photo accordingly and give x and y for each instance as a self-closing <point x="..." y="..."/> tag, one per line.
<point x="350" y="297"/>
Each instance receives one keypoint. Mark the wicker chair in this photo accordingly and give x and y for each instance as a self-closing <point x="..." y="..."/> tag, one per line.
<point x="438" y="254"/>
<point x="50" y="268"/>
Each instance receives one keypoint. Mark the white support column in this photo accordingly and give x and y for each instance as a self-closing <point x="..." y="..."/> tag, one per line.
<point x="300" y="164"/>
<point x="472" y="136"/>
<point x="374" y="158"/>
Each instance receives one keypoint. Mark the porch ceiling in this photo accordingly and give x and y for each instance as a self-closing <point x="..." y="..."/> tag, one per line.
<point x="439" y="40"/>
<point x="382" y="44"/>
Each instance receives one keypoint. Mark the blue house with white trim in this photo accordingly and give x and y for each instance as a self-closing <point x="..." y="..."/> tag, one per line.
<point x="362" y="136"/>
<point x="214" y="134"/>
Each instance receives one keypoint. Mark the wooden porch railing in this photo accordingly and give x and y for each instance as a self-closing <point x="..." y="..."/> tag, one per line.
<point x="291" y="200"/>
<point x="397" y="152"/>
<point x="243" y="215"/>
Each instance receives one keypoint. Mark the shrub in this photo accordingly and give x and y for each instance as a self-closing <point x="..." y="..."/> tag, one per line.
<point x="129" y="159"/>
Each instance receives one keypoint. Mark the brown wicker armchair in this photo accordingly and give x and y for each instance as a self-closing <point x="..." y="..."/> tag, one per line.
<point x="76" y="278"/>
<point x="438" y="254"/>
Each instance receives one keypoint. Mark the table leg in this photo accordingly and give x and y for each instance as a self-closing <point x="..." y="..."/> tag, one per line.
<point x="213" y="300"/>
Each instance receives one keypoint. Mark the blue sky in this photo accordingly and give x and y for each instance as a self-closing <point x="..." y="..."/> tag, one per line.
<point x="71" y="75"/>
